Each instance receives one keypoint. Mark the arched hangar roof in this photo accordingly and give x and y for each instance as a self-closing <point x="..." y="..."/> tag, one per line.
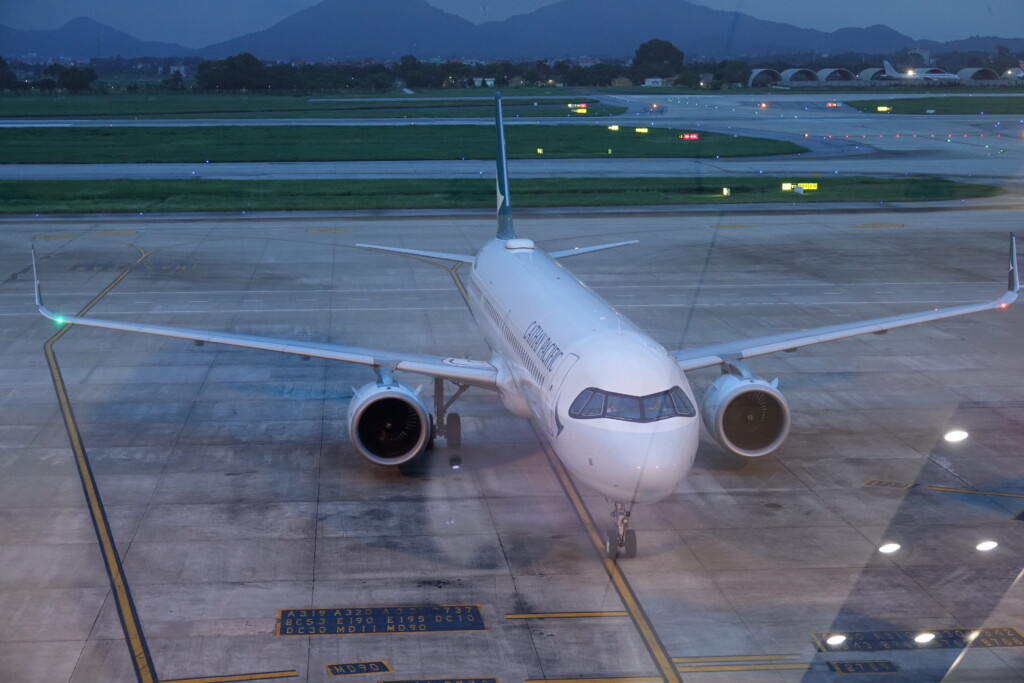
<point x="977" y="74"/>
<point x="836" y="75"/>
<point x="762" y="77"/>
<point x="799" y="75"/>
<point x="872" y="73"/>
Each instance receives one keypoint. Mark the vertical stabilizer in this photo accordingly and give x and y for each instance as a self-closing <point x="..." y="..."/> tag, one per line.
<point x="505" y="231"/>
<point x="890" y="71"/>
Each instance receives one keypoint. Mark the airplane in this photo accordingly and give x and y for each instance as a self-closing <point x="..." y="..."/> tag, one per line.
<point x="614" y="404"/>
<point x="911" y="75"/>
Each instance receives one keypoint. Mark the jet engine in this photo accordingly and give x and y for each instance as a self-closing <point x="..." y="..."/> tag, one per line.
<point x="745" y="414"/>
<point x="388" y="423"/>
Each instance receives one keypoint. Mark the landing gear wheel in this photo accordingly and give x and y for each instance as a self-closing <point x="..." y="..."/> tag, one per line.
<point x="433" y="433"/>
<point x="630" y="550"/>
<point x="611" y="543"/>
<point x="620" y="538"/>
<point x="454" y="430"/>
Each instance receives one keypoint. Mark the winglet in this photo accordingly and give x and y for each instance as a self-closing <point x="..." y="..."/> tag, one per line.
<point x="39" y="295"/>
<point x="505" y="231"/>
<point x="1013" y="278"/>
<point x="1013" y="284"/>
<point x="35" y="278"/>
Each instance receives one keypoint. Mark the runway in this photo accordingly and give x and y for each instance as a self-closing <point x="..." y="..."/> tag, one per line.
<point x="232" y="491"/>
<point x="843" y="141"/>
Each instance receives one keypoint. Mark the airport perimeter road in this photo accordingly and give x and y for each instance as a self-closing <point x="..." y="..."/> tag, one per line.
<point x="225" y="482"/>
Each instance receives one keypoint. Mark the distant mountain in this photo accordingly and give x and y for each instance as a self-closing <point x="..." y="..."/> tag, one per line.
<point x="357" y="29"/>
<point x="607" y="28"/>
<point x="82" y="39"/>
<point x="388" y="29"/>
<point x="976" y="44"/>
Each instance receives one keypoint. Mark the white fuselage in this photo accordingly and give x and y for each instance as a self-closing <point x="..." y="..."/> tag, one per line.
<point x="925" y="76"/>
<point x="553" y="338"/>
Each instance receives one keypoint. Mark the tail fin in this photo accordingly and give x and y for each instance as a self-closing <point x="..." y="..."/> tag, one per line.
<point x="890" y="71"/>
<point x="505" y="230"/>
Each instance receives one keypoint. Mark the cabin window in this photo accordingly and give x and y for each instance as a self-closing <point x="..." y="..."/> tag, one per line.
<point x="595" y="403"/>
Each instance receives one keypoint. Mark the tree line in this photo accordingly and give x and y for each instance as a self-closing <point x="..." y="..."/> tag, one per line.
<point x="245" y="72"/>
<point x="654" y="58"/>
<point x="54" y="76"/>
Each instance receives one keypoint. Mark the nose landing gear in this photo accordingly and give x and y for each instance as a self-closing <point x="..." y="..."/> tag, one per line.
<point x="620" y="541"/>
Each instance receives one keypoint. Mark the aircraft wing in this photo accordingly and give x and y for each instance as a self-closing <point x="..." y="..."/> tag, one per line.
<point x="715" y="354"/>
<point x="474" y="372"/>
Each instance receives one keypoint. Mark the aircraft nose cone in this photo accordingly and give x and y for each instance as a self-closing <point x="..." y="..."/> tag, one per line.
<point x="639" y="465"/>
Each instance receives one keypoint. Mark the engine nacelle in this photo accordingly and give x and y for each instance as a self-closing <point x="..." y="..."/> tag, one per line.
<point x="388" y="423"/>
<point x="745" y="414"/>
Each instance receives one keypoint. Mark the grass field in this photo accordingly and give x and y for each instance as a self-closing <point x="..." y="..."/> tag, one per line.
<point x="283" y="106"/>
<point x="949" y="104"/>
<point x="360" y="143"/>
<point x="148" y="196"/>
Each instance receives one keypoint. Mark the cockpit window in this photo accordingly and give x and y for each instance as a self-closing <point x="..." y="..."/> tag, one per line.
<point x="659" y="406"/>
<point x="623" y="407"/>
<point x="594" y="406"/>
<point x="593" y="403"/>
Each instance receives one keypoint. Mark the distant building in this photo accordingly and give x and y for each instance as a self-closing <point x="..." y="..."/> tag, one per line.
<point x="761" y="78"/>
<point x="978" y="74"/>
<point x="481" y="82"/>
<point x="177" y="69"/>
<point x="622" y="82"/>
<point x="825" y="75"/>
<point x="654" y="82"/>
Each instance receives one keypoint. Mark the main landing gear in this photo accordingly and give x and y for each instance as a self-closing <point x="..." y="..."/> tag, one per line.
<point x="620" y="541"/>
<point x="446" y="425"/>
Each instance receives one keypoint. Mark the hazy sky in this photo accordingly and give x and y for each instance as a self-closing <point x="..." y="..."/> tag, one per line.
<point x="196" y="23"/>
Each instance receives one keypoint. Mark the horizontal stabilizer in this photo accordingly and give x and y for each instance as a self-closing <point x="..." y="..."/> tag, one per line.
<point x="587" y="250"/>
<point x="441" y="256"/>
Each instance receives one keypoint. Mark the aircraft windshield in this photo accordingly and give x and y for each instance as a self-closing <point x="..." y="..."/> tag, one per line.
<point x="594" y="403"/>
